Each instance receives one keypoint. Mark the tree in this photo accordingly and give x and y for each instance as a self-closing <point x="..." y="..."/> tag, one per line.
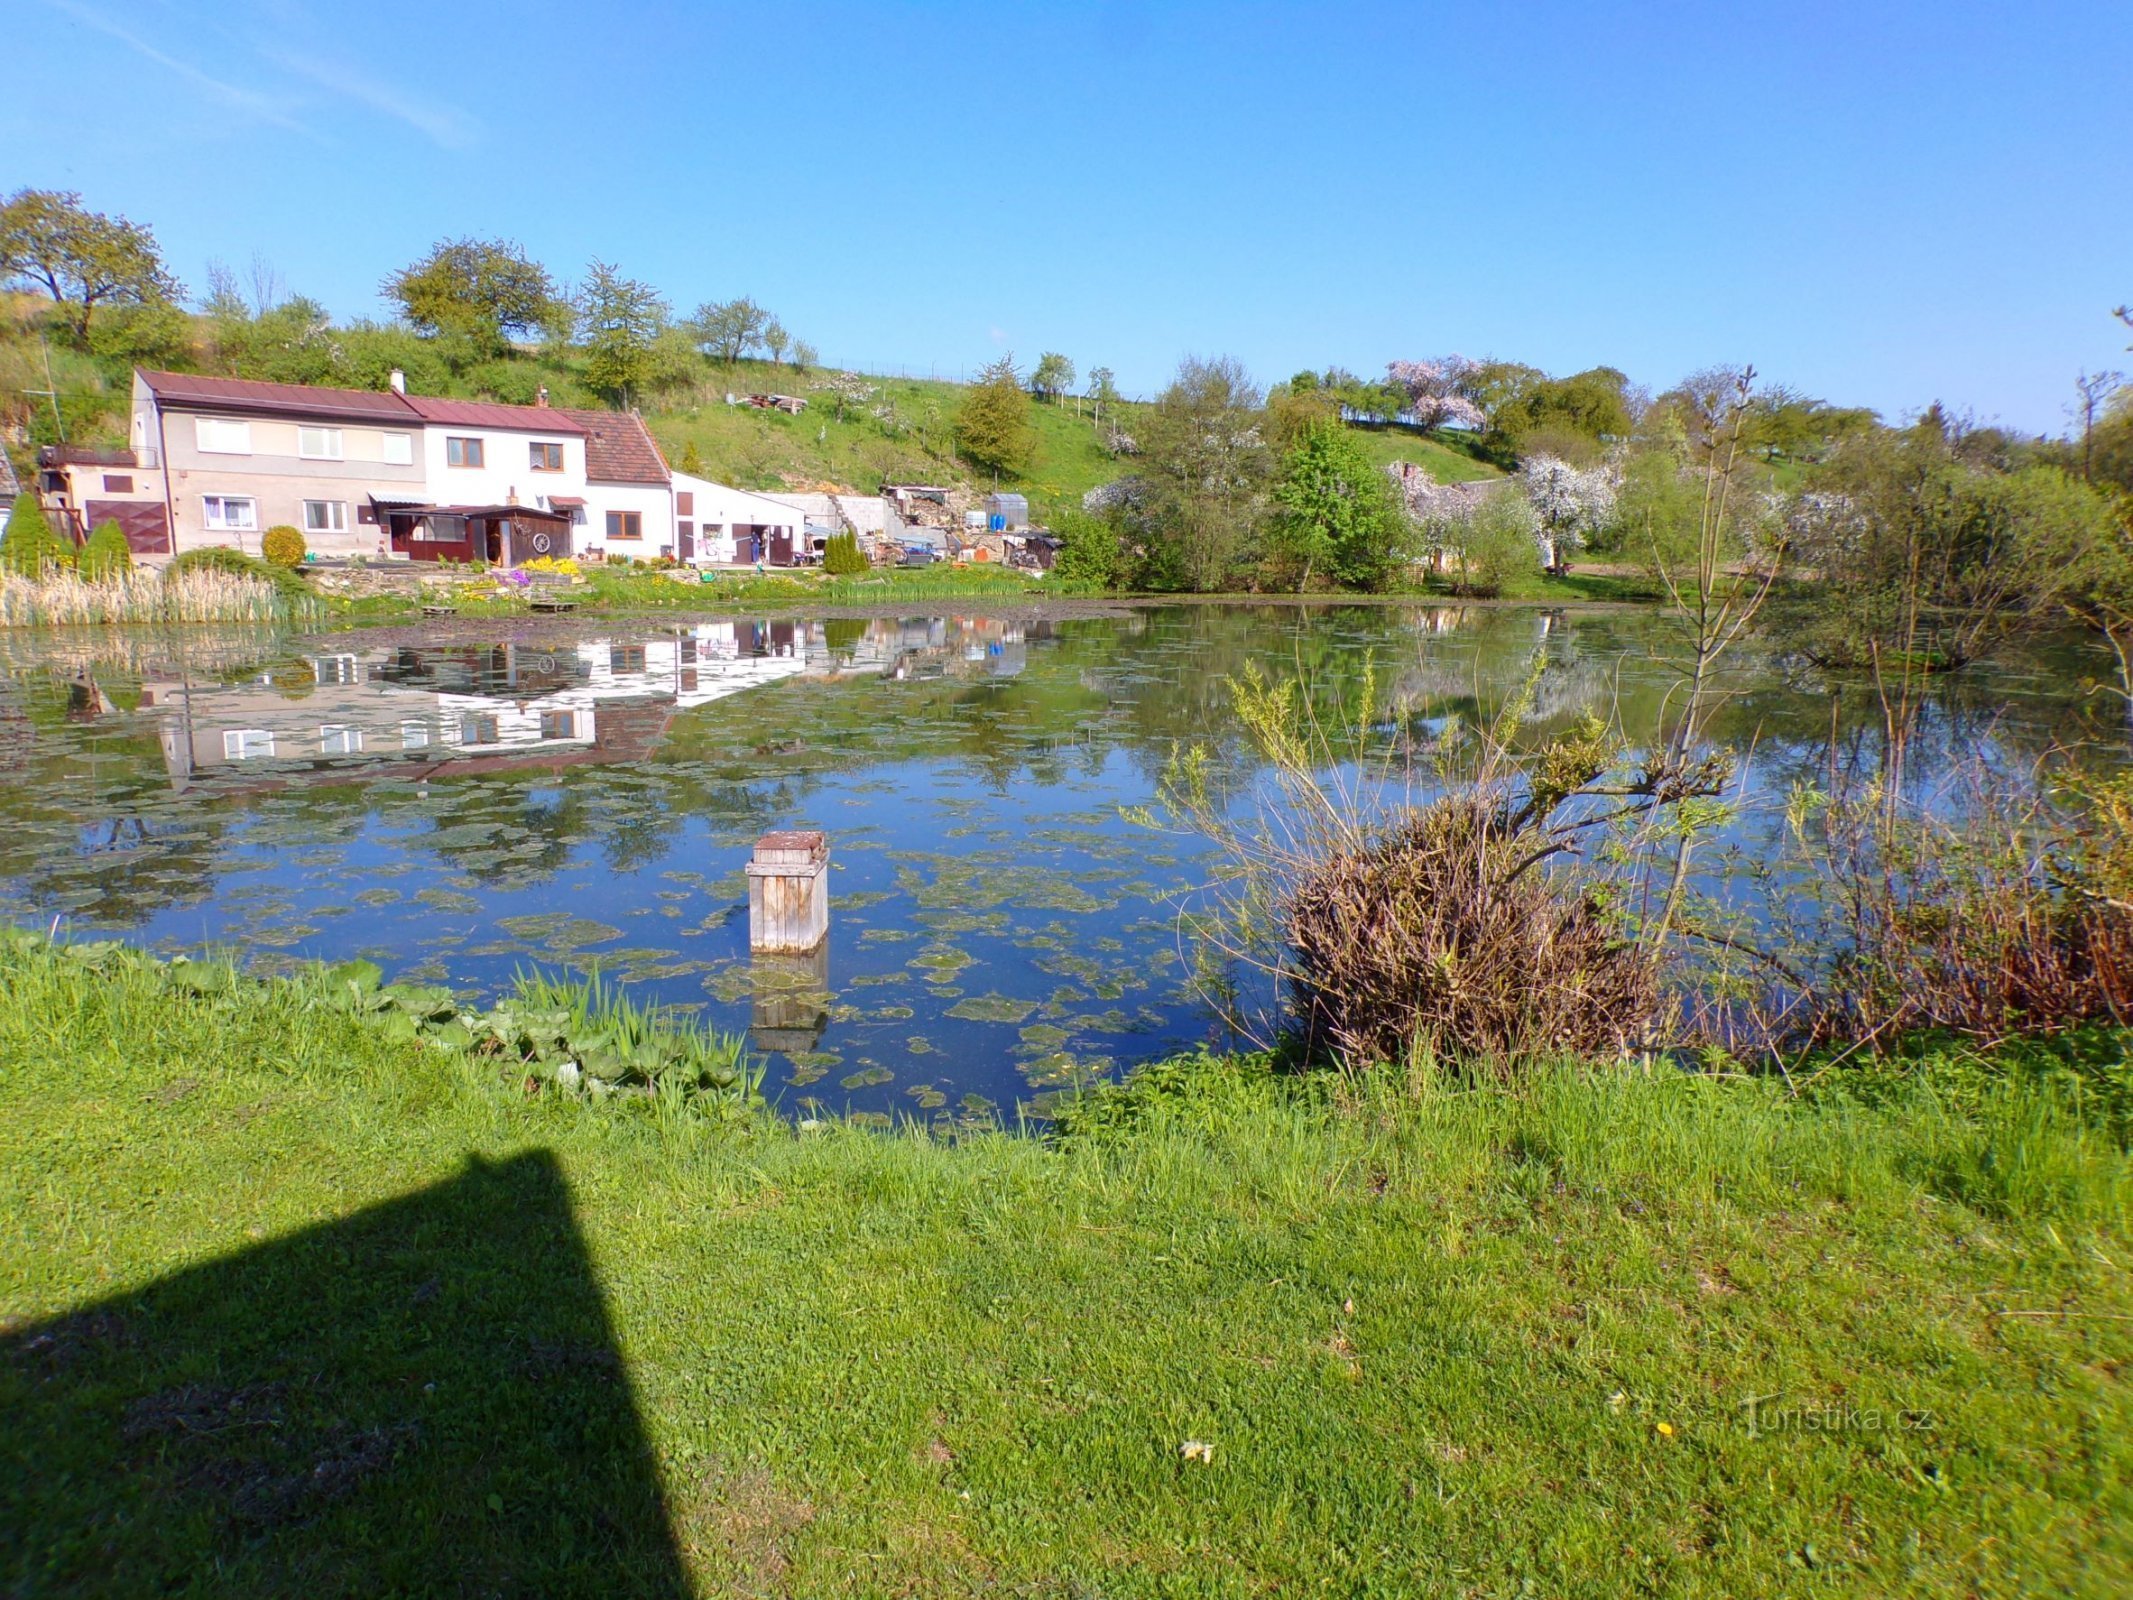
<point x="993" y="429"/>
<point x="1572" y="504"/>
<point x="2092" y="394"/>
<point x="106" y="555"/>
<point x="81" y="258"/>
<point x="1054" y="376"/>
<point x="1595" y="403"/>
<point x="1339" y="513"/>
<point x="1090" y="550"/>
<point x="1103" y="390"/>
<point x="776" y="339"/>
<point x="1493" y="544"/>
<point x="30" y="549"/>
<point x="1432" y="393"/>
<point x="1205" y="465"/>
<point x="691" y="461"/>
<point x="726" y="330"/>
<point x="619" y="321"/>
<point x="480" y="291"/>
<point x="804" y="356"/>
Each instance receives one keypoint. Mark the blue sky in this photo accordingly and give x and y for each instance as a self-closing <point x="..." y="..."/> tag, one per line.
<point x="1876" y="203"/>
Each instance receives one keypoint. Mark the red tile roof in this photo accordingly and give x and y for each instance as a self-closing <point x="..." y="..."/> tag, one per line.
<point x="490" y="414"/>
<point x="619" y="448"/>
<point x="282" y="399"/>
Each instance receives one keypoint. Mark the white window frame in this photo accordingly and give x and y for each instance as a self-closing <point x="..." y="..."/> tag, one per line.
<point x="336" y="520"/>
<point x="415" y="736"/>
<point x="331" y="447"/>
<point x="340" y="739"/>
<point x="337" y="670"/>
<point x="397" y="449"/>
<point x="222" y="436"/>
<point x="215" y="512"/>
<point x="247" y="744"/>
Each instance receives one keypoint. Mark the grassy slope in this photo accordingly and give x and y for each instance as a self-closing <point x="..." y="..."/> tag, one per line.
<point x="1465" y="1346"/>
<point x="754" y="447"/>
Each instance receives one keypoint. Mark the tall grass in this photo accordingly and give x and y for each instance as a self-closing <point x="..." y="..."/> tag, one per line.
<point x="64" y="600"/>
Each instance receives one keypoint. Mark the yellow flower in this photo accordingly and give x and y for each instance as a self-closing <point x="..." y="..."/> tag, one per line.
<point x="1666" y="1430"/>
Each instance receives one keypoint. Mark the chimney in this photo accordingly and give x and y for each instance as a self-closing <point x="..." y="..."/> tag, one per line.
<point x="511" y="498"/>
<point x="541" y="398"/>
<point x="397" y="382"/>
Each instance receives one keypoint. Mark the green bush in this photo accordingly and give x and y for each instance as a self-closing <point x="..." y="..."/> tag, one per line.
<point x="1091" y="550"/>
<point x="283" y="545"/>
<point x="30" y="548"/>
<point x="106" y="555"/>
<point x="841" y="557"/>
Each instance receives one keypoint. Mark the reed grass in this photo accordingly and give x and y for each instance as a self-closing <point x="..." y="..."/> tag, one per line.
<point x="64" y="600"/>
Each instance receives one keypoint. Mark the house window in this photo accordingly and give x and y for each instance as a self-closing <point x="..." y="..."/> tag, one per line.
<point x="230" y="512"/>
<point x="546" y="457"/>
<point x="117" y="483"/>
<point x="325" y="516"/>
<point x="685" y="502"/>
<point x="339" y="739"/>
<point x="625" y="525"/>
<point x="462" y="452"/>
<point x="319" y="444"/>
<point x="414" y="735"/>
<point x="559" y="725"/>
<point x="399" y="449"/>
<point x="246" y="744"/>
<point x="481" y="730"/>
<point x="336" y="669"/>
<point x="625" y="658"/>
<point x="222" y="437"/>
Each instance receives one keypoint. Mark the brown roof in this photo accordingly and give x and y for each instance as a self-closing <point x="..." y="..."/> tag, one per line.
<point x="491" y="414"/>
<point x="619" y="448"/>
<point x="279" y="399"/>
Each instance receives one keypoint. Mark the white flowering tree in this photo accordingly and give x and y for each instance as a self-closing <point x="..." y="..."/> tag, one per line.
<point x="1433" y="394"/>
<point x="1569" y="504"/>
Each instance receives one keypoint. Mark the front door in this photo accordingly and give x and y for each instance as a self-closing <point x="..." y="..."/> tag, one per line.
<point x="781" y="547"/>
<point x="685" y="541"/>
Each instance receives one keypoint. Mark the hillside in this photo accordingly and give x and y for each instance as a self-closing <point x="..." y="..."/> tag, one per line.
<point x="857" y="431"/>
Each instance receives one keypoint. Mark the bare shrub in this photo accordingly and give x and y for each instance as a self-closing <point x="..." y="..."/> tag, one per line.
<point x="1469" y="920"/>
<point x="1441" y="935"/>
<point x="2018" y="919"/>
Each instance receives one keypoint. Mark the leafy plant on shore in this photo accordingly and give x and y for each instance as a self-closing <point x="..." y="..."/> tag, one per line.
<point x="581" y="1039"/>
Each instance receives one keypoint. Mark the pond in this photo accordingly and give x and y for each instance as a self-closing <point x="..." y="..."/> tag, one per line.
<point x="461" y="802"/>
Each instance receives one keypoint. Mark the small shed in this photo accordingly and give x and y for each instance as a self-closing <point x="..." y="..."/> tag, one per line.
<point x="1006" y="513"/>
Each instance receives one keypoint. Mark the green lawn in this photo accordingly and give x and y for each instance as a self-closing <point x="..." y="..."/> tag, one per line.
<point x="293" y="1310"/>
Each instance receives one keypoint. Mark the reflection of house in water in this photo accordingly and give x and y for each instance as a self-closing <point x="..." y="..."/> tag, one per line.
<point x="918" y="648"/>
<point x="426" y="710"/>
<point x="423" y="710"/>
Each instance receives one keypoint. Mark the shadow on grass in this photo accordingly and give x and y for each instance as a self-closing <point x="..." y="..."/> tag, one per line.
<point x="422" y="1398"/>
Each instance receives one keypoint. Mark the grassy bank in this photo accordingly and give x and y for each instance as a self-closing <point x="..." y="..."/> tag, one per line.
<point x="294" y="1309"/>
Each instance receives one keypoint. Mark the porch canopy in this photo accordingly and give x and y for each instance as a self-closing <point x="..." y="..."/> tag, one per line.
<point x="506" y="536"/>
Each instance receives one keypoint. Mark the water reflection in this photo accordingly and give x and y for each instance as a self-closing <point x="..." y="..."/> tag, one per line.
<point x="460" y="806"/>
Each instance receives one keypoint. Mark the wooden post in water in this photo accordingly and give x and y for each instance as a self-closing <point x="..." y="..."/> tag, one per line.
<point x="788" y="892"/>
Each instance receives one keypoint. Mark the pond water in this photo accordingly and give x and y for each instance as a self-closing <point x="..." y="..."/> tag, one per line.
<point x="459" y="806"/>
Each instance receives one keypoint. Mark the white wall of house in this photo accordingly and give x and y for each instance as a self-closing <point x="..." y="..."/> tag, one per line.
<point x="718" y="506"/>
<point x="506" y="468"/>
<point x="653" y="504"/>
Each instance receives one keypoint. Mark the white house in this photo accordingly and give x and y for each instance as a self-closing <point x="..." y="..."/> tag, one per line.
<point x="724" y="524"/>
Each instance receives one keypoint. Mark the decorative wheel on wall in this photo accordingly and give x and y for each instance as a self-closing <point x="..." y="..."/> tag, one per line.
<point x="541" y="544"/>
